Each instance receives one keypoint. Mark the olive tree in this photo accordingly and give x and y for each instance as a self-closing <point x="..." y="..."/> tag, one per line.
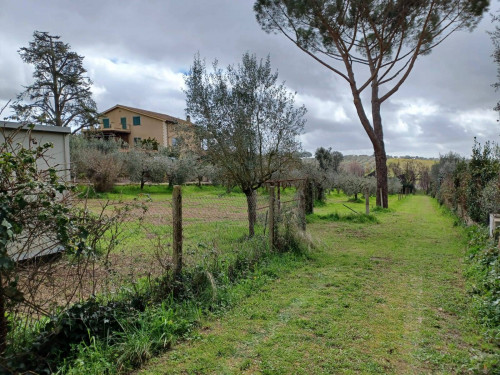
<point x="352" y="184"/>
<point x="246" y="121"/>
<point x="372" y="45"/>
<point x="97" y="160"/>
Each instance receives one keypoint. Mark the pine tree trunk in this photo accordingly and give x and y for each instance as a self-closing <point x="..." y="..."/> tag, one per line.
<point x="252" y="211"/>
<point x="381" y="172"/>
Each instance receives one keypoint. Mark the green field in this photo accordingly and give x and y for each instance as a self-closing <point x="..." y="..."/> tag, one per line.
<point x="379" y="297"/>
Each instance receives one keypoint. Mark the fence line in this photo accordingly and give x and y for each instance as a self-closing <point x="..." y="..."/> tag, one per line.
<point x="158" y="236"/>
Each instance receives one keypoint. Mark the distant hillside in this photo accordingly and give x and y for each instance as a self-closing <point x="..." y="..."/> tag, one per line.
<point x="425" y="161"/>
<point x="368" y="161"/>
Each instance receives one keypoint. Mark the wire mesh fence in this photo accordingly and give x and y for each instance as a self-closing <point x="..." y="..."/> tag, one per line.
<point x="140" y="244"/>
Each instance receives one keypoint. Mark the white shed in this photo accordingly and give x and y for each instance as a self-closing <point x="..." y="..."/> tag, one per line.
<point x="57" y="157"/>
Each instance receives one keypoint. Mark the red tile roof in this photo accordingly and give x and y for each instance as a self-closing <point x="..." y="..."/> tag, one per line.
<point x="157" y="115"/>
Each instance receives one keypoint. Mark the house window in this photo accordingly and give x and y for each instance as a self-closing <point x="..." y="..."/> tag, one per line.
<point x="105" y="123"/>
<point x="123" y="120"/>
<point x="136" y="120"/>
<point x="137" y="141"/>
<point x="174" y="141"/>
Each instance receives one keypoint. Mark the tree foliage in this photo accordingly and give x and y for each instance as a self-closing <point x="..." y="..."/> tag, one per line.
<point x="370" y="44"/>
<point x="61" y="92"/>
<point x="495" y="38"/>
<point x="470" y="187"/>
<point x="328" y="159"/>
<point x="246" y="120"/>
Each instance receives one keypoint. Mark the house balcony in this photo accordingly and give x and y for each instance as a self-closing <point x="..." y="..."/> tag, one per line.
<point x="113" y="131"/>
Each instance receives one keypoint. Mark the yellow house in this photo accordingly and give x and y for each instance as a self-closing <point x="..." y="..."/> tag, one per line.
<point x="132" y="125"/>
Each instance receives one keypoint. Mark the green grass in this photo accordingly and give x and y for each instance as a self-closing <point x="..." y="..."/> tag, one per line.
<point x="156" y="329"/>
<point x="337" y="202"/>
<point x="162" y="192"/>
<point x="374" y="299"/>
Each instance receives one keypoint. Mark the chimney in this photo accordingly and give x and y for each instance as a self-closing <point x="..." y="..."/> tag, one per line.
<point x="188" y="118"/>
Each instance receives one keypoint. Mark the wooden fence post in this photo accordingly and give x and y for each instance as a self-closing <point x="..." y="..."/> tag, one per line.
<point x="271" y="218"/>
<point x="302" y="208"/>
<point x="367" y="202"/>
<point x="278" y="206"/>
<point x="177" y="228"/>
<point x="309" y="193"/>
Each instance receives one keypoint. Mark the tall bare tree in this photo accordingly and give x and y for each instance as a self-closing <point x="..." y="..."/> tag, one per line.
<point x="372" y="44"/>
<point x="245" y="120"/>
<point x="60" y="94"/>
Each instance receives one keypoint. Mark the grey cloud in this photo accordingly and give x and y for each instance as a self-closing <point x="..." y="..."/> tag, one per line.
<point x="456" y="77"/>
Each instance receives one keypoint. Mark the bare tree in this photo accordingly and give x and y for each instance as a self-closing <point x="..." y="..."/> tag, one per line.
<point x="246" y="122"/>
<point x="372" y="45"/>
<point x="354" y="168"/>
<point x="407" y="172"/>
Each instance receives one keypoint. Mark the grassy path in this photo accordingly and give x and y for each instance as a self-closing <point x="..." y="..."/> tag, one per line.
<point x="376" y="298"/>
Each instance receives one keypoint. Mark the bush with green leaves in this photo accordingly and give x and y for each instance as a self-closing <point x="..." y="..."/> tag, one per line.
<point x="469" y="187"/>
<point x="483" y="167"/>
<point x="483" y="273"/>
<point x="38" y="216"/>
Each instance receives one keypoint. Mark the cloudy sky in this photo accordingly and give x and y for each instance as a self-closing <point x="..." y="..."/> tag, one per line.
<point x="137" y="51"/>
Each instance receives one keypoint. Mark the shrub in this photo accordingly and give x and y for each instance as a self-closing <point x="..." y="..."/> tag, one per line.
<point x="483" y="272"/>
<point x="97" y="160"/>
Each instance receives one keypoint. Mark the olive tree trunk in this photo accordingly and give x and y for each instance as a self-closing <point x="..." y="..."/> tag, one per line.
<point x="252" y="211"/>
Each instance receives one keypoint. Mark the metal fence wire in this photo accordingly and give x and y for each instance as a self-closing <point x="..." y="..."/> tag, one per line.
<point x="215" y="228"/>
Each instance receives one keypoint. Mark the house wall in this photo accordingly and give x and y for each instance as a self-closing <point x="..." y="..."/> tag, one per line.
<point x="163" y="132"/>
<point x="149" y="128"/>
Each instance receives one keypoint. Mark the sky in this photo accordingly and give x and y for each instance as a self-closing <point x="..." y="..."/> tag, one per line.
<point x="136" y="53"/>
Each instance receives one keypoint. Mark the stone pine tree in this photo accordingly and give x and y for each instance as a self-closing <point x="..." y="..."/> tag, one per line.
<point x="246" y="122"/>
<point x="372" y="45"/>
<point x="495" y="38"/>
<point x="60" y="94"/>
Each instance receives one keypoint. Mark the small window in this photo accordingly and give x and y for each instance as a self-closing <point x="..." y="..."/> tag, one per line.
<point x="174" y="141"/>
<point x="105" y="123"/>
<point x="137" y="141"/>
<point x="123" y="120"/>
<point x="136" y="120"/>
